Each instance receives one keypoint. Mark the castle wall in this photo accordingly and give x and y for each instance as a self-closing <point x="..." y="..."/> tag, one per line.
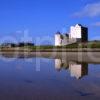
<point x="58" y="40"/>
<point x="77" y="33"/>
<point x="65" y="40"/>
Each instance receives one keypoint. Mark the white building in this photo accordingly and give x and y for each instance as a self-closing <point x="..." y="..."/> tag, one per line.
<point x="58" y="39"/>
<point x="75" y="31"/>
<point x="78" y="33"/>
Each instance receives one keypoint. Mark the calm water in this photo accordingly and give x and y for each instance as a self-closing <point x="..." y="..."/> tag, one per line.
<point x="48" y="79"/>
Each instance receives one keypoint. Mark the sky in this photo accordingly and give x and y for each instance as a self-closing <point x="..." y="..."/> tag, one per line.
<point x="41" y="18"/>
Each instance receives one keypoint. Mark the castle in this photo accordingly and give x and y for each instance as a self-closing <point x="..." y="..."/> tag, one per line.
<point x="77" y="70"/>
<point x="78" y="33"/>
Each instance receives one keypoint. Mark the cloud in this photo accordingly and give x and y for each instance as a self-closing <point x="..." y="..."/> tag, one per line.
<point x="96" y="24"/>
<point x="90" y="10"/>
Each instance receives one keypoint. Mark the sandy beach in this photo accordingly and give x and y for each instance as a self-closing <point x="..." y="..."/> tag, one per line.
<point x="88" y="57"/>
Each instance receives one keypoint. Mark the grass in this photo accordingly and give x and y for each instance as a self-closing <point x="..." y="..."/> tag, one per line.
<point x="91" y="44"/>
<point x="71" y="46"/>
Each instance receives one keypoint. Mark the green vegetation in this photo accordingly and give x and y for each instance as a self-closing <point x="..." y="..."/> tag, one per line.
<point x="91" y="44"/>
<point x="46" y="48"/>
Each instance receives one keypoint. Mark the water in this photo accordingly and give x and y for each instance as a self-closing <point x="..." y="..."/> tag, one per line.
<point x="39" y="78"/>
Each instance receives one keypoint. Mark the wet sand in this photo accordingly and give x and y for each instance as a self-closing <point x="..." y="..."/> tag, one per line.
<point x="88" y="57"/>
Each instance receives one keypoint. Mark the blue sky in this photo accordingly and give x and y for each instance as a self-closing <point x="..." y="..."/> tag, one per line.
<point x="45" y="17"/>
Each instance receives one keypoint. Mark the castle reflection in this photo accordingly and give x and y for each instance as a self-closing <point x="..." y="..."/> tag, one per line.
<point x="77" y="70"/>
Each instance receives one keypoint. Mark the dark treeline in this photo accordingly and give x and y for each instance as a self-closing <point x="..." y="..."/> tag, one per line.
<point x="21" y="44"/>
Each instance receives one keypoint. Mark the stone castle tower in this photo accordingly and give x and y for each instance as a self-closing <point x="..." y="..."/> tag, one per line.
<point x="78" y="33"/>
<point x="58" y="39"/>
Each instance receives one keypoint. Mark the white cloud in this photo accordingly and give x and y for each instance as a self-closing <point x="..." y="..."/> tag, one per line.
<point x="90" y="10"/>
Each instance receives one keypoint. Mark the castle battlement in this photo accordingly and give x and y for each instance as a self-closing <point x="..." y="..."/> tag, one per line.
<point x="78" y="33"/>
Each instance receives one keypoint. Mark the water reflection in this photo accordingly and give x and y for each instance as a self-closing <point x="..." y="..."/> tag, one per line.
<point x="76" y="69"/>
<point x="76" y="64"/>
<point x="19" y="78"/>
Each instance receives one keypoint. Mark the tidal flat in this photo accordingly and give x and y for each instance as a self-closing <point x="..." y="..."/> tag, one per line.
<point x="49" y="75"/>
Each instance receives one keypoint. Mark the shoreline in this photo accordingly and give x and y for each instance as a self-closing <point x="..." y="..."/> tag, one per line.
<point x="51" y="50"/>
<point x="80" y="57"/>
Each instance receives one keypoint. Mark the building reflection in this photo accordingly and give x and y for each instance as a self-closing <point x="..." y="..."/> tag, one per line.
<point x="59" y="64"/>
<point x="77" y="70"/>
